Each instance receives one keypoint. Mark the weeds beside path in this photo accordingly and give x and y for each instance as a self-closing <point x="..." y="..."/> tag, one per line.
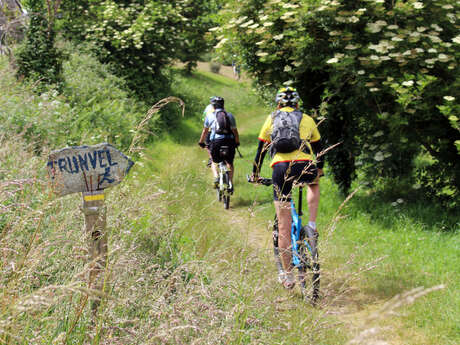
<point x="350" y="309"/>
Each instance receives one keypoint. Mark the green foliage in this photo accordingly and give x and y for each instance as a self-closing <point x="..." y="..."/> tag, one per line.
<point x="383" y="70"/>
<point x="140" y="38"/>
<point x="38" y="58"/>
<point x="92" y="107"/>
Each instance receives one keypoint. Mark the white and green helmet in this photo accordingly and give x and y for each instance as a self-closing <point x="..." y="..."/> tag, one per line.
<point x="287" y="96"/>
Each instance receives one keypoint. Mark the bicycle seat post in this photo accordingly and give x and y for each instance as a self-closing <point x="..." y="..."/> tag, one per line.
<point x="300" y="202"/>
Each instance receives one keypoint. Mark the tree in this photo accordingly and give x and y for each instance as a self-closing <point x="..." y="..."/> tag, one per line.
<point x="38" y="58"/>
<point x="385" y="74"/>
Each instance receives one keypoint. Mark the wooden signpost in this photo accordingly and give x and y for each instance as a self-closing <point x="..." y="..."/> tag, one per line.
<point x="90" y="170"/>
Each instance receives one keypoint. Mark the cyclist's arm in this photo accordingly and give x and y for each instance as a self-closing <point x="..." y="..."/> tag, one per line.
<point x="204" y="133"/>
<point x="258" y="160"/>
<point x="236" y="135"/>
<point x="317" y="147"/>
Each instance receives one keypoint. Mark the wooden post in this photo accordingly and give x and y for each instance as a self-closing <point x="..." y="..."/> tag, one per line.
<point x="95" y="224"/>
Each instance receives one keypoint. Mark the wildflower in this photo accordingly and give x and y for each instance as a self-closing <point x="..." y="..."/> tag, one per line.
<point x="268" y="23"/>
<point x="351" y="47"/>
<point x="418" y="5"/>
<point x="278" y="37"/>
<point x="456" y="39"/>
<point x="333" y="60"/>
<point x="247" y="24"/>
<point x="379" y="156"/>
<point x="408" y="83"/>
<point x="374" y="89"/>
<point x="432" y="50"/>
<point x="399" y="201"/>
<point x="361" y="72"/>
<point x="289" y="82"/>
<point x="449" y="98"/>
<point x="393" y="27"/>
<point x="443" y="57"/>
<point x="447" y="7"/>
<point x="261" y="54"/>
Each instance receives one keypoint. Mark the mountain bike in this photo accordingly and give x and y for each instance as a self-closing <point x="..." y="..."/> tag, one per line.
<point x="304" y="247"/>
<point x="224" y="188"/>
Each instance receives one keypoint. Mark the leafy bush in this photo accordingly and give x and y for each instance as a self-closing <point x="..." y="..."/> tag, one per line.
<point x="93" y="107"/>
<point x="141" y="38"/>
<point x="38" y="59"/>
<point x="380" y="71"/>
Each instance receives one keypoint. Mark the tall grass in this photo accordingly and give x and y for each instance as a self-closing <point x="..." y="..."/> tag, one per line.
<point x="182" y="270"/>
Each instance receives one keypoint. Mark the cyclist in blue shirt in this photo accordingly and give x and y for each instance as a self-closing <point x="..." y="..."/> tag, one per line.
<point x="217" y="140"/>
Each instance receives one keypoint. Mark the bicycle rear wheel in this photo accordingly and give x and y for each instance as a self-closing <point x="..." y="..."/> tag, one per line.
<point x="309" y="269"/>
<point x="226" y="193"/>
<point x="276" y="251"/>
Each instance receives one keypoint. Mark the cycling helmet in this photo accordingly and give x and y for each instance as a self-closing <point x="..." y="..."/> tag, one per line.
<point x="217" y="102"/>
<point x="287" y="96"/>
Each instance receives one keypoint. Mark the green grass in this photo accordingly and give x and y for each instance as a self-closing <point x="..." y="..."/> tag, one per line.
<point x="184" y="270"/>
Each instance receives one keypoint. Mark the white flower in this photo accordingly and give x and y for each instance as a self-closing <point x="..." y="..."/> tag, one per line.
<point x="430" y="61"/>
<point x="394" y="203"/>
<point x="379" y="156"/>
<point x="261" y="54"/>
<point x="374" y="28"/>
<point x="333" y="60"/>
<point x="351" y="47"/>
<point x="374" y="89"/>
<point x="289" y="82"/>
<point x="408" y="83"/>
<point x="246" y="24"/>
<point x="435" y="39"/>
<point x="400" y="201"/>
<point x="335" y="33"/>
<point x="392" y="27"/>
<point x="443" y="57"/>
<point x="260" y="43"/>
<point x="253" y="26"/>
<point x="263" y="18"/>
<point x="432" y="50"/>
<point x="449" y="98"/>
<point x="436" y="27"/>
<point x="268" y="23"/>
<point x="214" y="28"/>
<point x="418" y="5"/>
<point x="421" y="29"/>
<point x="456" y="39"/>
<point x="353" y="19"/>
<point x="397" y="39"/>
<point x="379" y="1"/>
<point x="361" y="72"/>
<point x="278" y="37"/>
<point x="287" y="68"/>
<point x="447" y="7"/>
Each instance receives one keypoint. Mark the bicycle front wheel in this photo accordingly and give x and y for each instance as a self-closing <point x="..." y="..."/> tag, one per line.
<point x="309" y="269"/>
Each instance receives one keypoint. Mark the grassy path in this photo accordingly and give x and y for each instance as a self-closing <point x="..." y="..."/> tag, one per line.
<point x="362" y="268"/>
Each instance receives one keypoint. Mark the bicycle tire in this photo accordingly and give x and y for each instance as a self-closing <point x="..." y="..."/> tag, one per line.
<point x="276" y="252"/>
<point x="226" y="193"/>
<point x="310" y="266"/>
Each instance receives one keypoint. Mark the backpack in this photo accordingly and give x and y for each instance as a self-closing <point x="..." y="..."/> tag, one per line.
<point x="285" y="134"/>
<point x="223" y="125"/>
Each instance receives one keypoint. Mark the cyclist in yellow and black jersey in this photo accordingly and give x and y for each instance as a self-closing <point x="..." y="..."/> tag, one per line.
<point x="297" y="165"/>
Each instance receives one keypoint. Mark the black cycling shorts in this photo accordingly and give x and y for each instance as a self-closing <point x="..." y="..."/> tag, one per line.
<point x="286" y="173"/>
<point x="218" y="154"/>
